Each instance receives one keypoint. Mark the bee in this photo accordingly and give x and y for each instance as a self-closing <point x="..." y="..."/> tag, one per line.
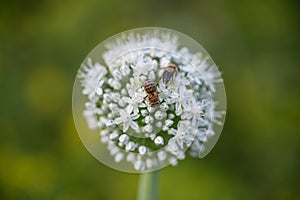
<point x="152" y="93"/>
<point x="169" y="72"/>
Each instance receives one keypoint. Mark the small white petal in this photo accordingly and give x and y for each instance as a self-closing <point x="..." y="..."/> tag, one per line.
<point x="110" y="123"/>
<point x="152" y="75"/>
<point x="178" y="109"/>
<point x="135" y="116"/>
<point x="165" y="128"/>
<point x="110" y="115"/>
<point x="149" y="119"/>
<point x="124" y="138"/>
<point x="134" y="125"/>
<point x="161" y="155"/>
<point x="142" y="150"/>
<point x="125" y="70"/>
<point x="100" y="125"/>
<point x="125" y="126"/>
<point x="126" y="99"/>
<point x="124" y="92"/>
<point x="180" y="143"/>
<point x="113" y="136"/>
<point x="181" y="156"/>
<point x="154" y="65"/>
<point x="117" y="74"/>
<point x="107" y="97"/>
<point x="119" y="120"/>
<point x="113" y="150"/>
<point x="159" y="140"/>
<point x="142" y="105"/>
<point x="130" y="146"/>
<point x="152" y="136"/>
<point x="99" y="91"/>
<point x="107" y="90"/>
<point x="148" y="128"/>
<point x="169" y="122"/>
<point x="129" y="108"/>
<point x="118" y="157"/>
<point x="173" y="161"/>
<point x="144" y="112"/>
<point x="104" y="132"/>
<point x="164" y="62"/>
<point x="158" y="124"/>
<point x="149" y="163"/>
<point x="116" y="97"/>
<point x="120" y="144"/>
<point x="104" y="140"/>
<point x="139" y="165"/>
<point x="164" y="106"/>
<point x="159" y="115"/>
<point x="172" y="131"/>
<point x="130" y="157"/>
<point x="116" y="85"/>
<point x="122" y="102"/>
<point x="113" y="107"/>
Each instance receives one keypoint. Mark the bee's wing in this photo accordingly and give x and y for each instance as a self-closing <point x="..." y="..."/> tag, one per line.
<point x="167" y="75"/>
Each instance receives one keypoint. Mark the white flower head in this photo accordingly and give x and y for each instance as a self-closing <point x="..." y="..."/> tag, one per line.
<point x="146" y="123"/>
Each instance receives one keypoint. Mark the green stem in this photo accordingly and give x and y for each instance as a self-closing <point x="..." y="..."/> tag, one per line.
<point x="148" y="186"/>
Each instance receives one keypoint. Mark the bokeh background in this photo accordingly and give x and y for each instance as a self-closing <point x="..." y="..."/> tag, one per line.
<point x="256" y="45"/>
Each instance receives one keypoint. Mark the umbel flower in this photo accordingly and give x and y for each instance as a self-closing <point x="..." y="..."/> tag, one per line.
<point x="134" y="135"/>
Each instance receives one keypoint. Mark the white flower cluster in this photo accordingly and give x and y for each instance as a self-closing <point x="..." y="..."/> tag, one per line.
<point x="118" y="106"/>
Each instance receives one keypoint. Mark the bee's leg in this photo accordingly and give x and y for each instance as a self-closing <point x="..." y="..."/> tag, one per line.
<point x="158" y="80"/>
<point x="173" y="77"/>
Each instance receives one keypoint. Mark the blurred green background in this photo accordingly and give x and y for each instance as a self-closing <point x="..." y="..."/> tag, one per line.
<point x="255" y="43"/>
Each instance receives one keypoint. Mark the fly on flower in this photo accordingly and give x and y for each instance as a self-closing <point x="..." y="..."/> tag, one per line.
<point x="152" y="93"/>
<point x="170" y="71"/>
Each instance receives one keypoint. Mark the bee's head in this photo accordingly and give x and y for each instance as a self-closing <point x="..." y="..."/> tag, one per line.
<point x="174" y="66"/>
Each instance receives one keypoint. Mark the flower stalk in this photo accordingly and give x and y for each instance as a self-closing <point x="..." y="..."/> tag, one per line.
<point x="148" y="188"/>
